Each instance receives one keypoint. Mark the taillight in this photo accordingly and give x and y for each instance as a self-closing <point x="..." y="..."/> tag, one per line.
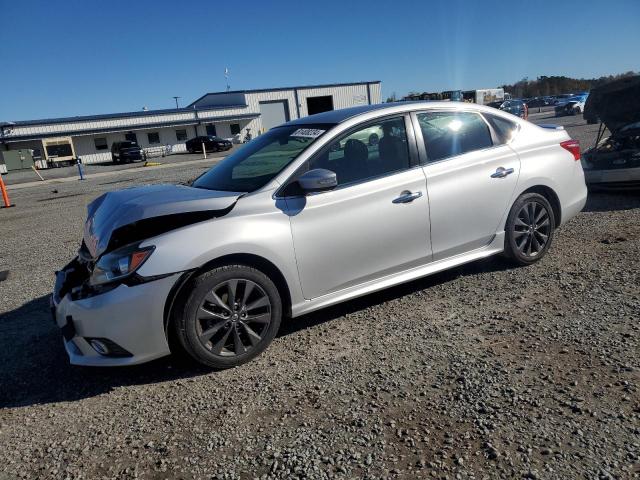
<point x="573" y="147"/>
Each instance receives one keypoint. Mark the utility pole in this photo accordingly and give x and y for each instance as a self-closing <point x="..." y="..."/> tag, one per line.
<point x="176" y="99"/>
<point x="226" y="76"/>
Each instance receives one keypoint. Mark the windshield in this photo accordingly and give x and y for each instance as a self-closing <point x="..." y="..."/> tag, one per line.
<point x="260" y="160"/>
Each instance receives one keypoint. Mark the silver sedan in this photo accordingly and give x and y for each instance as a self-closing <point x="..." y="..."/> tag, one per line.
<point x="307" y="215"/>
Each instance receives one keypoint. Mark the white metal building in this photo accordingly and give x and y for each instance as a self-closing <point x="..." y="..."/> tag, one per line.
<point x="225" y="114"/>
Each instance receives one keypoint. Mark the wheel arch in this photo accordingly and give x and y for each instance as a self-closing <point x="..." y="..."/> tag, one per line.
<point x="551" y="196"/>
<point x="250" y="260"/>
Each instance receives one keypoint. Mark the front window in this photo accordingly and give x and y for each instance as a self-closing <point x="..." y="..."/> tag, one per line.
<point x="375" y="150"/>
<point x="235" y="128"/>
<point x="260" y="160"/>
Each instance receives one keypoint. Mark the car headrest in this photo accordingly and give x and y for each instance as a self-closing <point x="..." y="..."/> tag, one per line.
<point x="356" y="151"/>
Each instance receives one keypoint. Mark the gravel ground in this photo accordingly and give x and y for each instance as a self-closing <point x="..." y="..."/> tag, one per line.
<point x="484" y="371"/>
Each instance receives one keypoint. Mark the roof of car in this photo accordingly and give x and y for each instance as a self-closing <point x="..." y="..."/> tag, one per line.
<point x="334" y="117"/>
<point x="338" y="116"/>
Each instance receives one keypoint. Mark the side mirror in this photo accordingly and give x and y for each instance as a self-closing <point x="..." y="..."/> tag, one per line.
<point x="318" y="180"/>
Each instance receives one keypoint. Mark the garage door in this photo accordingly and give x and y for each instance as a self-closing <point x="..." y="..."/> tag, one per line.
<point x="274" y="113"/>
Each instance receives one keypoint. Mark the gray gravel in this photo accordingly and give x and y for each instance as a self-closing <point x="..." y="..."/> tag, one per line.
<point x="485" y="371"/>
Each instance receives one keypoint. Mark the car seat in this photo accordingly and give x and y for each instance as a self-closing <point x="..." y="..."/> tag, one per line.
<point x="353" y="165"/>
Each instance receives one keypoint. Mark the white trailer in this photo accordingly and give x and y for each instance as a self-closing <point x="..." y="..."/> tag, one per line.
<point x="488" y="95"/>
<point x="58" y="151"/>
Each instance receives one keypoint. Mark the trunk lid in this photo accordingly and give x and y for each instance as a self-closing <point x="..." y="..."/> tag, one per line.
<point x="615" y="104"/>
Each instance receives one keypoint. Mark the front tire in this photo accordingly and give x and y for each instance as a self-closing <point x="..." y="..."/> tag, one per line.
<point x="529" y="229"/>
<point x="230" y="316"/>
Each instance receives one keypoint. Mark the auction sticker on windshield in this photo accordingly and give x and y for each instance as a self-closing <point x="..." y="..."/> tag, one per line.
<point x="307" y="133"/>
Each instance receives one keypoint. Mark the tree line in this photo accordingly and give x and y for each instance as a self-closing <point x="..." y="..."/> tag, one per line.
<point x="541" y="87"/>
<point x="555" y="85"/>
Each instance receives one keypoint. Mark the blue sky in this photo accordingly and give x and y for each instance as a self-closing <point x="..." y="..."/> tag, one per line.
<point x="63" y="58"/>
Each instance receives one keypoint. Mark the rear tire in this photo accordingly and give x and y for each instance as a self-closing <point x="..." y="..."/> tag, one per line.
<point x="230" y="316"/>
<point x="529" y="229"/>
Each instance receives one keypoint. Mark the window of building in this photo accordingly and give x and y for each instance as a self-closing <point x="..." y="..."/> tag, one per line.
<point x="235" y="128"/>
<point x="181" y="135"/>
<point x="211" y="129"/>
<point x="154" y="137"/>
<point x="447" y="134"/>
<point x="131" y="137"/>
<point x="372" y="151"/>
<point x="101" y="143"/>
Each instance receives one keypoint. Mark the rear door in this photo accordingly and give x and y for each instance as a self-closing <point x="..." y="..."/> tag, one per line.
<point x="471" y="176"/>
<point x="375" y="222"/>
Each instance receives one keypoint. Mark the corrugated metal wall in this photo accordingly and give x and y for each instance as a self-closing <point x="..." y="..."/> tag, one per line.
<point x="343" y="96"/>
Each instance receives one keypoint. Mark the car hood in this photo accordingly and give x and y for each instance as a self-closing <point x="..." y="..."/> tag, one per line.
<point x="121" y="217"/>
<point x="616" y="103"/>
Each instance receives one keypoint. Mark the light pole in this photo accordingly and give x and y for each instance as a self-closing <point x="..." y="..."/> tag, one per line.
<point x="176" y="99"/>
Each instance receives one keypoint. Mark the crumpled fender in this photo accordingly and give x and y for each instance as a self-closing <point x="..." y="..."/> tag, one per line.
<point x="124" y="216"/>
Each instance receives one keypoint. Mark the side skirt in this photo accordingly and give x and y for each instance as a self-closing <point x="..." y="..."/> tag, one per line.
<point x="494" y="247"/>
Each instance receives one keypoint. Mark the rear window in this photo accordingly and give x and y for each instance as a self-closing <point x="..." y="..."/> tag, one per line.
<point x="505" y="129"/>
<point x="447" y="134"/>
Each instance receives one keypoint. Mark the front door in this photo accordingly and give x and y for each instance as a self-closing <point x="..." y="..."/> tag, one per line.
<point x="471" y="178"/>
<point x="375" y="223"/>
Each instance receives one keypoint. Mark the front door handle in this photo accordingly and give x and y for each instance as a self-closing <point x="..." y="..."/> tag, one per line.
<point x="502" y="172"/>
<point x="407" y="197"/>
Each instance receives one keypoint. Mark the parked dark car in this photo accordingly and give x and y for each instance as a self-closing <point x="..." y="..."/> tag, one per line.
<point x="211" y="143"/>
<point x="560" y="99"/>
<point x="538" y="102"/>
<point x="126" y="151"/>
<point x="515" y="107"/>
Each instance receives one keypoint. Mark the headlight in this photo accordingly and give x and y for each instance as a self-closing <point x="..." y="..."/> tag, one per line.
<point x="119" y="264"/>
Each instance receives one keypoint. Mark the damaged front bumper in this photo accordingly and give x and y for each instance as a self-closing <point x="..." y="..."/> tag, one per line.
<point x="121" y="325"/>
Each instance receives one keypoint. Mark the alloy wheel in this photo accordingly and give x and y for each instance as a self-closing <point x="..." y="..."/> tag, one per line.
<point x="233" y="317"/>
<point x="532" y="228"/>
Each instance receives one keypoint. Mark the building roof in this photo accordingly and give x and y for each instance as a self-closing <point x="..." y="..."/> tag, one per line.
<point x="280" y="89"/>
<point x="127" y="128"/>
<point x="107" y="116"/>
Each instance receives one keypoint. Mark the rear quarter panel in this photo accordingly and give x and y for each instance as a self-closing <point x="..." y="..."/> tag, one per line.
<point x="544" y="162"/>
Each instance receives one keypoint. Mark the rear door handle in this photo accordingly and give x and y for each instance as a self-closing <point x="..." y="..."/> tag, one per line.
<point x="407" y="197"/>
<point x="502" y="172"/>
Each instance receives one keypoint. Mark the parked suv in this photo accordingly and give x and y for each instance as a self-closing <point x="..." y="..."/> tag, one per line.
<point x="289" y="224"/>
<point x="211" y="143"/>
<point x="126" y="151"/>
